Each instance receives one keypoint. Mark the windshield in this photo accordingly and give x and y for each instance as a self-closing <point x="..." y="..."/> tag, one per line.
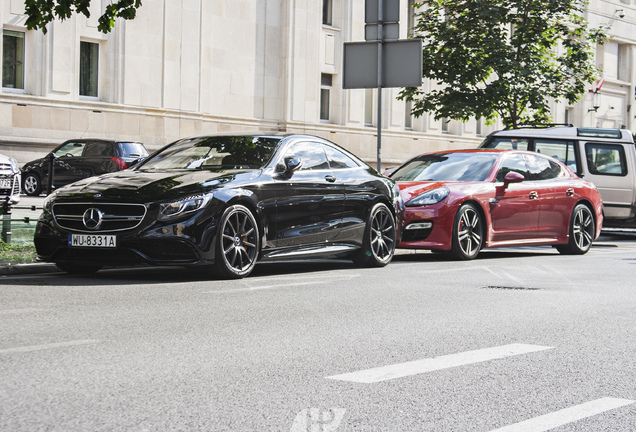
<point x="447" y="167"/>
<point x="215" y="153"/>
<point x="131" y="150"/>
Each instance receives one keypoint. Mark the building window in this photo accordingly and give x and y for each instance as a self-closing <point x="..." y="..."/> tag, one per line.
<point x="623" y="62"/>
<point x="368" y="107"/>
<point x="89" y="66"/>
<point x="327" y="12"/>
<point x="479" y="123"/>
<point x="12" y="59"/>
<point x="569" y="117"/>
<point x="411" y="19"/>
<point x="408" y="117"/>
<point x="445" y="122"/>
<point x="325" y="96"/>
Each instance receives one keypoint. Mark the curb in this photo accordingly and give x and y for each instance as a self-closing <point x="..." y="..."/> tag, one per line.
<point x="20" y="269"/>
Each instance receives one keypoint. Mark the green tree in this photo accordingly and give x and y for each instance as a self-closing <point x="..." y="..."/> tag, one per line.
<point x="503" y="58"/>
<point x="41" y="12"/>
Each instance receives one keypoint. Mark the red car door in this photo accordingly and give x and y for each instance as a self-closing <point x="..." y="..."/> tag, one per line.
<point x="514" y="210"/>
<point x="556" y="194"/>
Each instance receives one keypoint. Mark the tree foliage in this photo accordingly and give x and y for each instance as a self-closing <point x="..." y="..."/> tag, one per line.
<point x="502" y="58"/>
<point x="41" y="12"/>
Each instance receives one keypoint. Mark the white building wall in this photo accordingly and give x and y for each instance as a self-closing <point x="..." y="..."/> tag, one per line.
<point x="190" y="67"/>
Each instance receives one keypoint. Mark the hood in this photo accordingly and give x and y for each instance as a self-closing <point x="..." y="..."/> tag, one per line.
<point x="143" y="186"/>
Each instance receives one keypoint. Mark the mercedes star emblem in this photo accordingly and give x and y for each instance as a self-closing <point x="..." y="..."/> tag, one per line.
<point x="92" y="218"/>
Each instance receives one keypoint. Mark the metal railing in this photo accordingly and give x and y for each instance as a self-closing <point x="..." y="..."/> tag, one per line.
<point x="6" y="211"/>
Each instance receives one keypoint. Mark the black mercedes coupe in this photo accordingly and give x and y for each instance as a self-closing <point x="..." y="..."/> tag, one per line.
<point x="223" y="203"/>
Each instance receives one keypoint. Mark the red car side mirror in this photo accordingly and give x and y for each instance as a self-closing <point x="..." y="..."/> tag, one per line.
<point x="513" y="177"/>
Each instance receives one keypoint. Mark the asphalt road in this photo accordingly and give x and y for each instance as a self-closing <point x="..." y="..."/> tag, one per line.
<point x="519" y="335"/>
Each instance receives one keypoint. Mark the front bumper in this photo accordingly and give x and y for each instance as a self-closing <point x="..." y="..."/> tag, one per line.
<point x="186" y="242"/>
<point x="417" y="233"/>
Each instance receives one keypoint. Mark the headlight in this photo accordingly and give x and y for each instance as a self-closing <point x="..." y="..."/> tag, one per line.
<point x="14" y="165"/>
<point x="48" y="203"/>
<point x="431" y="197"/>
<point x="175" y="209"/>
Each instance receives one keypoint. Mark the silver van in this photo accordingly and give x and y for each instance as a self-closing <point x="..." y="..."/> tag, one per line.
<point x="606" y="157"/>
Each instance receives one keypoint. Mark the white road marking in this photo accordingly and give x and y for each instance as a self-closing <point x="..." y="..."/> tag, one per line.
<point x="263" y="287"/>
<point x="319" y="275"/>
<point x="565" y="416"/>
<point x="19" y="311"/>
<point x="460" y="268"/>
<point x="400" y="370"/>
<point x="47" y="346"/>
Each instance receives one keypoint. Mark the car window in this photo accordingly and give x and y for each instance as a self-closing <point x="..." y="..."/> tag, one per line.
<point x="339" y="160"/>
<point x="513" y="162"/>
<point x="131" y="150"/>
<point x="70" y="149"/>
<point x="558" y="149"/>
<point x="447" y="167"/>
<point x="311" y="154"/>
<point x="543" y="168"/>
<point x="215" y="153"/>
<point x="505" y="143"/>
<point x="606" y="159"/>
<point x="98" y="149"/>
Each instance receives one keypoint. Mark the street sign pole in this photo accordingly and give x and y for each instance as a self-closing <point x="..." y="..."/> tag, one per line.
<point x="380" y="40"/>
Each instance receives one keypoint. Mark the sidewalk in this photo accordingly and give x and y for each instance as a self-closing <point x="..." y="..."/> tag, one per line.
<point x="20" y="269"/>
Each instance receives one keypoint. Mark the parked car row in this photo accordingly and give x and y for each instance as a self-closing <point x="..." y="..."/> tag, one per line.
<point x="224" y="203"/>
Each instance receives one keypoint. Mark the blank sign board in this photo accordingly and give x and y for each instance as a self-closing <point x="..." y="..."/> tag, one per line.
<point x="401" y="64"/>
<point x="390" y="11"/>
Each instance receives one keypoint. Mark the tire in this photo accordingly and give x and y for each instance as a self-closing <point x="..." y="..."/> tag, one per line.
<point x="237" y="243"/>
<point x="379" y="242"/>
<point x="76" y="268"/>
<point x="32" y="185"/>
<point x="581" y="232"/>
<point x="468" y="233"/>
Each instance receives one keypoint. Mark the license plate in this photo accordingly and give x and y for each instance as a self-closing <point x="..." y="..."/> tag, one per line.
<point x="92" y="240"/>
<point x="6" y="183"/>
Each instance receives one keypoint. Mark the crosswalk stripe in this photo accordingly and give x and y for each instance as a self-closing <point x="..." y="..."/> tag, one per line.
<point x="400" y="370"/>
<point x="565" y="416"/>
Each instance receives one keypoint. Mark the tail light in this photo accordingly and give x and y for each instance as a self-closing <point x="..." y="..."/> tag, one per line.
<point x="121" y="164"/>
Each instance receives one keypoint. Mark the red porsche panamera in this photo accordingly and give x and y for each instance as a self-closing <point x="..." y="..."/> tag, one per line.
<point x="466" y="200"/>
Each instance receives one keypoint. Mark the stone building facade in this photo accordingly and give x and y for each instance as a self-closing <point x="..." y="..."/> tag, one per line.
<point x="191" y="67"/>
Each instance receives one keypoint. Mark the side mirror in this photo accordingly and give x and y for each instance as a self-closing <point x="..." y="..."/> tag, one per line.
<point x="513" y="177"/>
<point x="289" y="165"/>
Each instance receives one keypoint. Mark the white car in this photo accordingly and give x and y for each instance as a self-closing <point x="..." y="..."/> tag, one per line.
<point x="9" y="179"/>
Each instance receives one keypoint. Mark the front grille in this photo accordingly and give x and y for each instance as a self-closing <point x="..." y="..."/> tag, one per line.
<point x="113" y="216"/>
<point x="11" y="190"/>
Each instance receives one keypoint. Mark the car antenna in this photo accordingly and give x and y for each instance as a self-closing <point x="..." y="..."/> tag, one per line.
<point x="84" y="131"/>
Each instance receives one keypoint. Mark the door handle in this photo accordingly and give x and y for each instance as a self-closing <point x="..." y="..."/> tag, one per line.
<point x="330" y="178"/>
<point x="534" y="195"/>
<point x="569" y="192"/>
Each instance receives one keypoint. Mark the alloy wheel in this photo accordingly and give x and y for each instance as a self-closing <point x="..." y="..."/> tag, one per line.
<point x="240" y="240"/>
<point x="31" y="185"/>
<point x="382" y="234"/>
<point x="583" y="228"/>
<point x="469" y="232"/>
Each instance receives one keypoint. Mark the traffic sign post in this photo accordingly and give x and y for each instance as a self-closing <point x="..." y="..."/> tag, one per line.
<point x="383" y="60"/>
